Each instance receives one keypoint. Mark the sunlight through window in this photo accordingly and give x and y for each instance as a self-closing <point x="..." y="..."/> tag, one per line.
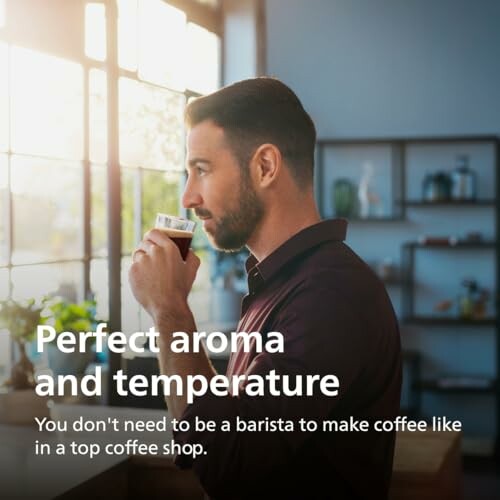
<point x="37" y="281"/>
<point x="50" y="189"/>
<point x="127" y="34"/>
<point x="4" y="98"/>
<point x="47" y="105"/>
<point x="3" y="210"/>
<point x="151" y="126"/>
<point x="162" y="32"/>
<point x="95" y="31"/>
<point x="2" y="13"/>
<point x="202" y="70"/>
<point x="54" y="124"/>
<point x="98" y="129"/>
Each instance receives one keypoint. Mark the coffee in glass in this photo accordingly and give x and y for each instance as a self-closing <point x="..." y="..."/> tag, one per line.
<point x="179" y="230"/>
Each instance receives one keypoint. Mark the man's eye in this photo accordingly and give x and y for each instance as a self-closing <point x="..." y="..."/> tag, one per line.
<point x="200" y="171"/>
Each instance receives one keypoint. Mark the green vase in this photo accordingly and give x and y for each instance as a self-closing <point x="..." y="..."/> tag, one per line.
<point x="344" y="198"/>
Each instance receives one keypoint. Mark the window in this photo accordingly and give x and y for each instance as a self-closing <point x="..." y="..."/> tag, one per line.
<point x="151" y="129"/>
<point x="41" y="170"/>
<point x="4" y="98"/>
<point x="4" y="211"/>
<point x="47" y="209"/>
<point x="54" y="128"/>
<point x="203" y="50"/>
<point x="98" y="123"/>
<point x="2" y="13"/>
<point x="156" y="62"/>
<point x="161" y="25"/>
<point x="95" y="31"/>
<point x="46" y="96"/>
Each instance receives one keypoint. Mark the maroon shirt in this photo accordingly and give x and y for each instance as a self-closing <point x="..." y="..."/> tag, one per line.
<point x="336" y="318"/>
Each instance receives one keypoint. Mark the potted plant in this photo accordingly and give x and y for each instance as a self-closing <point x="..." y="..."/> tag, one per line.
<point x="21" y="320"/>
<point x="67" y="316"/>
<point x="227" y="277"/>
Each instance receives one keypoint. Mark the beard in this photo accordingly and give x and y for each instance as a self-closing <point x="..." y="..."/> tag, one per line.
<point x="234" y="228"/>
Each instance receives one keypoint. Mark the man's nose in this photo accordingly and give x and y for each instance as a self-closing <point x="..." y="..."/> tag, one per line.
<point x="191" y="197"/>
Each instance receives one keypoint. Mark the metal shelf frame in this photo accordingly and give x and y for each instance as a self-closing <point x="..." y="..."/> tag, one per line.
<point x="400" y="204"/>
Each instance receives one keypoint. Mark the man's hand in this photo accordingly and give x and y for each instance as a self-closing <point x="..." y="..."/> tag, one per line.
<point x="161" y="282"/>
<point x="159" y="278"/>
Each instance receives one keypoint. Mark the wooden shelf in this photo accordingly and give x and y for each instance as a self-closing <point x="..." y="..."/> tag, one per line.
<point x="448" y="203"/>
<point x="396" y="281"/>
<point x="460" y="245"/>
<point x="410" y="355"/>
<point x="437" y="385"/>
<point x="359" y="141"/>
<point x="439" y="321"/>
<point x="389" y="218"/>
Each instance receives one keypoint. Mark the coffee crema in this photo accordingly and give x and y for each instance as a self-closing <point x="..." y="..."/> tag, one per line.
<point x="181" y="238"/>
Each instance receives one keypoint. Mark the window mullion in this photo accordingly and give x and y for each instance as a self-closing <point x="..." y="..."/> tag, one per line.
<point x="114" y="191"/>
<point x="9" y="233"/>
<point x="87" y="235"/>
<point x="138" y="204"/>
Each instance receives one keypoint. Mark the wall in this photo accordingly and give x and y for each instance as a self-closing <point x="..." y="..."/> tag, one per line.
<point x="240" y="47"/>
<point x="367" y="68"/>
<point x="388" y="67"/>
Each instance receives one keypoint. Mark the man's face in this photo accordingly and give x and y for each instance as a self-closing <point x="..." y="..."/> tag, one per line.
<point x="219" y="189"/>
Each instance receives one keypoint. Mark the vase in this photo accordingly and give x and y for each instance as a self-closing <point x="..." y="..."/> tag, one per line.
<point x="71" y="363"/>
<point x="344" y="198"/>
<point x="226" y="306"/>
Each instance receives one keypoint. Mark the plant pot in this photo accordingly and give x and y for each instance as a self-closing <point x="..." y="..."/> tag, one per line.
<point x="73" y="363"/>
<point x="20" y="407"/>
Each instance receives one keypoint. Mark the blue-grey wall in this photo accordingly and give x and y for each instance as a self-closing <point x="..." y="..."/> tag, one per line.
<point x="240" y="47"/>
<point x="390" y="67"/>
<point x="375" y="68"/>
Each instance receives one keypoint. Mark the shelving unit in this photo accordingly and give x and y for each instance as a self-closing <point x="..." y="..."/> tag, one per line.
<point x="408" y="264"/>
<point x="398" y="147"/>
<point x="397" y="153"/>
<point x="392" y="152"/>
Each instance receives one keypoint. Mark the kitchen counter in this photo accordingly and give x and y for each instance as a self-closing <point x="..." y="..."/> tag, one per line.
<point x="25" y="475"/>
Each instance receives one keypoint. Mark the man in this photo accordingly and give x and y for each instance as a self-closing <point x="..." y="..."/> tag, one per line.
<point x="250" y="151"/>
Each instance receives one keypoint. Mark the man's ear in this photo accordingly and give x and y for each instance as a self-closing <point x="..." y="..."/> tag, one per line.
<point x="266" y="164"/>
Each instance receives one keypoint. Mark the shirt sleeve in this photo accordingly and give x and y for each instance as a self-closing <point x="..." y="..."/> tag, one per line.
<point x="321" y="337"/>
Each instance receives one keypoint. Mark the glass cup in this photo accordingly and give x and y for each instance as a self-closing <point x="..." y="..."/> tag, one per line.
<point x="179" y="230"/>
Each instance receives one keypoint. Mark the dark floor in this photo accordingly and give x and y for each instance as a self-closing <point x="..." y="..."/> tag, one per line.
<point x="481" y="479"/>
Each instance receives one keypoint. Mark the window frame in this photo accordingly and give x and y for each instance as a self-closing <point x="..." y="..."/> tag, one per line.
<point x="198" y="13"/>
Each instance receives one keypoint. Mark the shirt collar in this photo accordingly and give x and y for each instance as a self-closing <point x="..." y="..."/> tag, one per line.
<point x="328" y="230"/>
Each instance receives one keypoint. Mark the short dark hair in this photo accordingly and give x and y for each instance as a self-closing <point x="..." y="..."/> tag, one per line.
<point x="258" y="111"/>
